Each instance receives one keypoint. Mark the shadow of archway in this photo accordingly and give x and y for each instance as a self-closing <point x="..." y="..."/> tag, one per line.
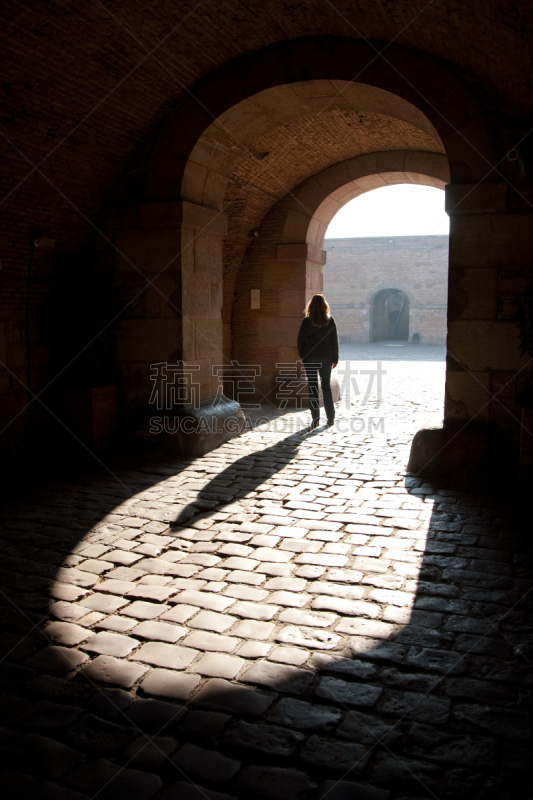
<point x="426" y="697"/>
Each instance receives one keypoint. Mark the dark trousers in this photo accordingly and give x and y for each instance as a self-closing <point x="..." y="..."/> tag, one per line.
<point x="313" y="369"/>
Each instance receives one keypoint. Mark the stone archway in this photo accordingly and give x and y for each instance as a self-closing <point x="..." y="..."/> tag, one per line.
<point x="226" y="136"/>
<point x="211" y="184"/>
<point x="286" y="260"/>
<point x="239" y="102"/>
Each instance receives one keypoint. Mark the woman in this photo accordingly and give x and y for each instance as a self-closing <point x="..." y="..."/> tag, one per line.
<point x="318" y="347"/>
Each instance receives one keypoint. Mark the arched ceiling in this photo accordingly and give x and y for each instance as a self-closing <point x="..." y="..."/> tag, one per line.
<point x="282" y="135"/>
<point x="287" y="156"/>
<point x="87" y="86"/>
<point x="274" y="164"/>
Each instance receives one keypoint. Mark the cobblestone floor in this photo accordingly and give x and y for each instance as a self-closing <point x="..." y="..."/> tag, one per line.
<point x="290" y="617"/>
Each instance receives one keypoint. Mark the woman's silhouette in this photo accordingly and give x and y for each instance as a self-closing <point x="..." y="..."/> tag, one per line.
<point x="318" y="347"/>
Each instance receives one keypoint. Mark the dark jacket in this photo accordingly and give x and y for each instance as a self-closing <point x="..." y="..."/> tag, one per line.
<point x="318" y="344"/>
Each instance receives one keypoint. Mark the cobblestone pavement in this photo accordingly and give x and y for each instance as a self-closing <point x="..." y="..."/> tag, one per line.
<point x="290" y="617"/>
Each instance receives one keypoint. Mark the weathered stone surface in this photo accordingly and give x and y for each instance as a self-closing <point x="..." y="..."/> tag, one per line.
<point x="76" y="577"/>
<point x="219" y="665"/>
<point x="345" y="790"/>
<point x="335" y="756"/>
<point x="344" y="576"/>
<point x="143" y="610"/>
<point x="254" y="610"/>
<point x="111" y="781"/>
<point x="253" y="649"/>
<point x="151" y="592"/>
<point x="113" y="670"/>
<point x="57" y="660"/>
<point x="326" y="662"/>
<point x="253" y="629"/>
<point x="110" y="644"/>
<point x="413" y="705"/>
<point x="421" y="636"/>
<point x="289" y="655"/>
<point x="499" y="722"/>
<point x="205" y="640"/>
<point x="347" y="693"/>
<point x="115" y="587"/>
<point x="369" y="729"/>
<point x="436" y="660"/>
<point x="477" y="752"/>
<point x="281" y="677"/>
<point x="110" y="702"/>
<point x="410" y="680"/>
<point x="290" y="599"/>
<point x="159" y="631"/>
<point x="201" y="726"/>
<point x="404" y="772"/>
<point x="205" y="764"/>
<point x="481" y="691"/>
<point x="239" y="700"/>
<point x="269" y="740"/>
<point x="115" y="623"/>
<point x="212" y="621"/>
<point x="149" y="753"/>
<point x="154" y="715"/>
<point x="304" y="716"/>
<point x="365" y="627"/>
<point x="208" y="600"/>
<point x="161" y="654"/>
<point x="45" y="714"/>
<point x="342" y="590"/>
<point x="274" y="783"/>
<point x="106" y="603"/>
<point x="66" y="633"/>
<point x="91" y="732"/>
<point x="308" y="637"/>
<point x="305" y="617"/>
<point x="166" y="683"/>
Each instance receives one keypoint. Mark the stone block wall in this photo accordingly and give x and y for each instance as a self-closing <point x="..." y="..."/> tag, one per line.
<point x="178" y="246"/>
<point x="358" y="269"/>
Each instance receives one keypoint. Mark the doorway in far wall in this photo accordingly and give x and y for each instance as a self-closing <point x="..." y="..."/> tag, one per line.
<point x="390" y="316"/>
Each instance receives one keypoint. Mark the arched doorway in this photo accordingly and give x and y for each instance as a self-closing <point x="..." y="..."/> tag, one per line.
<point x="232" y="224"/>
<point x="390" y="316"/>
<point x="286" y="261"/>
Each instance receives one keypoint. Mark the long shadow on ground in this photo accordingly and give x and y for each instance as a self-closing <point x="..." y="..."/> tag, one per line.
<point x="428" y="699"/>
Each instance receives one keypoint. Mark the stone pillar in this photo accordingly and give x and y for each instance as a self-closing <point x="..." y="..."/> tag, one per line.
<point x="491" y="241"/>
<point x="203" y="231"/>
<point x="490" y="251"/>
<point x="177" y="245"/>
<point x="287" y="284"/>
<point x="302" y="267"/>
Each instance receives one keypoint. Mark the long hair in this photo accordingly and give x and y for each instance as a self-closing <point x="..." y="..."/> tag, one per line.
<point x="317" y="310"/>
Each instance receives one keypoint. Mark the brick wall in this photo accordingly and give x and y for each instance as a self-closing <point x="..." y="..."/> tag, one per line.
<point x="84" y="104"/>
<point x="357" y="269"/>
